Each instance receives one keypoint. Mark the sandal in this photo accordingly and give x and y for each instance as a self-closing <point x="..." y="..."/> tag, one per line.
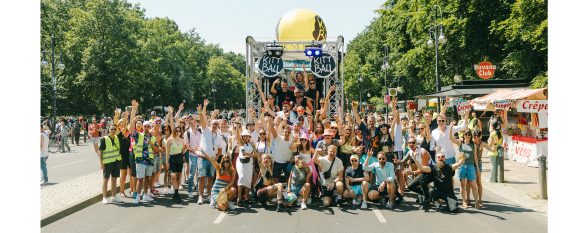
<point x="464" y="206"/>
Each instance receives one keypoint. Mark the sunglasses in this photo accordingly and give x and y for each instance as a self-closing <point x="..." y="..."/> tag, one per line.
<point x="381" y="159"/>
<point x="421" y="128"/>
<point x="262" y="134"/>
<point x="411" y="143"/>
<point x="354" y="161"/>
<point x="226" y="161"/>
<point x="441" y="120"/>
<point x="215" y="124"/>
<point x="303" y="140"/>
<point x="158" y="123"/>
<point x="311" y="82"/>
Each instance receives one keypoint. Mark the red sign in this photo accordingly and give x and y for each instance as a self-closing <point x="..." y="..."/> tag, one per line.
<point x="485" y="70"/>
<point x="386" y="99"/>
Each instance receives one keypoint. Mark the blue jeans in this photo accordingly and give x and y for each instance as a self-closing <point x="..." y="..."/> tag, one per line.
<point x="43" y="169"/>
<point x="193" y="162"/>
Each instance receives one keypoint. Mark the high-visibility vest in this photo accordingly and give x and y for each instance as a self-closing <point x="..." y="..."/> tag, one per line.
<point x="111" y="152"/>
<point x="138" y="147"/>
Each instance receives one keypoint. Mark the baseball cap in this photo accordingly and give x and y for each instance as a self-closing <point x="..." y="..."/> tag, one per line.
<point x="354" y="156"/>
<point x="327" y="132"/>
<point x="147" y="123"/>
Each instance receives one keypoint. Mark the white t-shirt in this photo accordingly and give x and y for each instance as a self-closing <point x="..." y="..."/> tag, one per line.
<point x="210" y="142"/>
<point x="194" y="140"/>
<point x="441" y="139"/>
<point x="398" y="137"/>
<point x="325" y="164"/>
<point x="281" y="152"/>
<point x="44" y="150"/>
<point x="255" y="137"/>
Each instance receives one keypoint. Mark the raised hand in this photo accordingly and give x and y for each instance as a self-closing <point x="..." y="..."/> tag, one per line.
<point x="206" y="102"/>
<point x="134" y="104"/>
<point x="170" y="109"/>
<point x="332" y="88"/>
<point x="199" y="108"/>
<point x="181" y="107"/>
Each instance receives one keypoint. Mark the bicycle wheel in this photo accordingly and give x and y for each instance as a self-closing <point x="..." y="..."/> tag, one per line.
<point x="53" y="144"/>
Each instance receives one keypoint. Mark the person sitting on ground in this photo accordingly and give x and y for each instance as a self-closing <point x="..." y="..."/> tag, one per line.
<point x="357" y="185"/>
<point x="332" y="175"/>
<point x="225" y="175"/>
<point x="443" y="173"/>
<point x="266" y="187"/>
<point x="385" y="183"/>
<point x="418" y="156"/>
<point x="299" y="180"/>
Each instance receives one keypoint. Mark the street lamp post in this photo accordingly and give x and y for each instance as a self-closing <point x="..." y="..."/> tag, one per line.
<point x="436" y="33"/>
<point x="214" y="93"/>
<point x="360" y="89"/>
<point x="53" y="76"/>
<point x="385" y="69"/>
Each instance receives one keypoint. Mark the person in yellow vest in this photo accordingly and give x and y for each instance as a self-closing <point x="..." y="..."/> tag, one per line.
<point x="143" y="149"/>
<point x="110" y="159"/>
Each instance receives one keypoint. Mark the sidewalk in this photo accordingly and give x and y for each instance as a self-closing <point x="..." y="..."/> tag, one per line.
<point x="521" y="185"/>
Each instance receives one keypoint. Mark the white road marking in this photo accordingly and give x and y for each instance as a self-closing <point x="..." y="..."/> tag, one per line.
<point x="379" y="215"/>
<point x="219" y="218"/>
<point x="67" y="164"/>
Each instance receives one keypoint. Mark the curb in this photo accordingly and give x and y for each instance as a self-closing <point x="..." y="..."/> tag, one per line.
<point x="520" y="203"/>
<point x="74" y="208"/>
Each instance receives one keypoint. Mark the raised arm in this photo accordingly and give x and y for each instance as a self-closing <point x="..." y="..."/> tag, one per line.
<point x="356" y="113"/>
<point x="395" y="110"/>
<point x="263" y="98"/>
<point x="203" y="121"/>
<point x="445" y="106"/>
<point x="180" y="108"/>
<point x="453" y="139"/>
<point x="134" y="106"/>
<point x="171" y="118"/>
<point x="272" y="128"/>
<point x="305" y="79"/>
<point x="273" y="89"/>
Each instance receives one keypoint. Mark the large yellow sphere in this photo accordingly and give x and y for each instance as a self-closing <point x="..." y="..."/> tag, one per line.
<point x="301" y="25"/>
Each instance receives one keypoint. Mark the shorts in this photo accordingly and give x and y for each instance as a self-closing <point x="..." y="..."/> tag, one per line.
<point x="176" y="163"/>
<point x="157" y="164"/>
<point x="163" y="161"/>
<point x="205" y="168"/>
<point x="296" y="188"/>
<point x="467" y="171"/>
<point x="278" y="168"/>
<point x="383" y="193"/>
<point x="125" y="162"/>
<point x="328" y="193"/>
<point x="185" y="157"/>
<point x="95" y="140"/>
<point x="358" y="189"/>
<point x="399" y="155"/>
<point x="143" y="170"/>
<point x="451" y="161"/>
<point x="111" y="170"/>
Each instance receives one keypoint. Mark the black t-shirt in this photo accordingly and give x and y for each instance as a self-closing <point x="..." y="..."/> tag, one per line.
<point x="433" y="125"/>
<point x="311" y="93"/>
<point x="444" y="179"/>
<point x="123" y="144"/>
<point x="284" y="96"/>
<point x="358" y="173"/>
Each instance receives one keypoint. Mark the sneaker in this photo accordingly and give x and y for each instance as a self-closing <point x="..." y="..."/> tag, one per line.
<point x="354" y="202"/>
<point x="303" y="206"/>
<point x="200" y="201"/>
<point x="231" y="205"/>
<point x="170" y="191"/>
<point x="136" y="199"/>
<point x="358" y="201"/>
<point x="104" y="201"/>
<point x="213" y="206"/>
<point x="147" y="198"/>
<point x="116" y="199"/>
<point x="389" y="205"/>
<point x="190" y="195"/>
<point x="364" y="205"/>
<point x="382" y="201"/>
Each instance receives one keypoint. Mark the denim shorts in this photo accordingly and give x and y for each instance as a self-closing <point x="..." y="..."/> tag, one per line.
<point x="143" y="170"/>
<point x="467" y="171"/>
<point x="296" y="188"/>
<point x="157" y="164"/>
<point x="205" y="168"/>
<point x="451" y="161"/>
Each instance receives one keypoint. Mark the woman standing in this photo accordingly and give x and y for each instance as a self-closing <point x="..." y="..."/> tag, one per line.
<point x="469" y="169"/>
<point x="479" y="145"/>
<point x="175" y="148"/>
<point x="423" y="138"/>
<point x="304" y="149"/>
<point x="244" y="166"/>
<point x="167" y="133"/>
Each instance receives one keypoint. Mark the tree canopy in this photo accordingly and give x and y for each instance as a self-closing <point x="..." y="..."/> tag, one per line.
<point x="509" y="34"/>
<point x="112" y="53"/>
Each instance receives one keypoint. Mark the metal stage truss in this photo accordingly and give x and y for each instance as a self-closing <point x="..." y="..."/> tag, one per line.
<point x="293" y="51"/>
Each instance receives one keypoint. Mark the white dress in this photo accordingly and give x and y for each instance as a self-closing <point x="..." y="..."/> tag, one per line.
<point x="245" y="170"/>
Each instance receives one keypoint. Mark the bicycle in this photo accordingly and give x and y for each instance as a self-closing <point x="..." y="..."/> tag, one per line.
<point x="54" y="143"/>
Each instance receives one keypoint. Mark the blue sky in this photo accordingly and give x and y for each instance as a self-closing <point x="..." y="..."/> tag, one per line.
<point x="228" y="23"/>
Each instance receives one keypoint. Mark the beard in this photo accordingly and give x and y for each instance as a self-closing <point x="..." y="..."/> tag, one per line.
<point x="440" y="164"/>
<point x="383" y="163"/>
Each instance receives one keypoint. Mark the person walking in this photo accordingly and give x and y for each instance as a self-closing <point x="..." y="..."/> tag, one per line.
<point x="44" y="144"/>
<point x="64" y="132"/>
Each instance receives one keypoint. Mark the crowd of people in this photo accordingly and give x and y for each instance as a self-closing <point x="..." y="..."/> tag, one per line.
<point x="291" y="153"/>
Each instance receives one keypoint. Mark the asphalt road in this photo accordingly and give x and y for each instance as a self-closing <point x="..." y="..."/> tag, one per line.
<point x="500" y="215"/>
<point x="80" y="161"/>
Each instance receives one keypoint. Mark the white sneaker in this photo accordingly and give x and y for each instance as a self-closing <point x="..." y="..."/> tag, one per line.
<point x="364" y="205"/>
<point x="190" y="195"/>
<point x="170" y="191"/>
<point x="104" y="201"/>
<point x="354" y="202"/>
<point x="116" y="199"/>
<point x="136" y="200"/>
<point x="389" y="205"/>
<point x="303" y="206"/>
<point x="231" y="205"/>
<point x="212" y="206"/>
<point x="200" y="201"/>
<point x="147" y="198"/>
